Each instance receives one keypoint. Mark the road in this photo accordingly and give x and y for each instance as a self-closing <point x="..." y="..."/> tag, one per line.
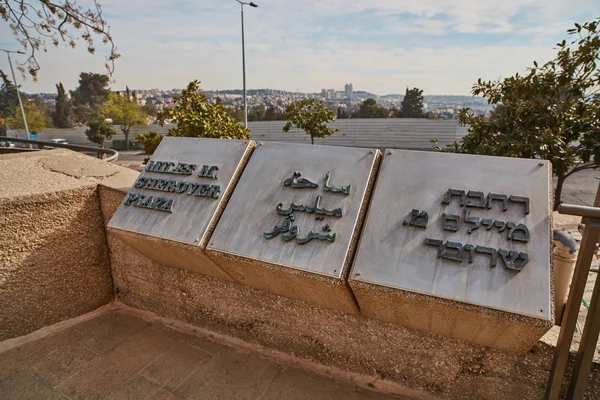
<point x="579" y="188"/>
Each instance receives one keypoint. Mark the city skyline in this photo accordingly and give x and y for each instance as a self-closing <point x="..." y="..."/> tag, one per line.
<point x="381" y="47"/>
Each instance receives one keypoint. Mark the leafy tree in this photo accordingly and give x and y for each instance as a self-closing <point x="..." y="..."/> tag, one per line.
<point x="370" y="109"/>
<point x="99" y="130"/>
<point x="272" y="114"/>
<point x="195" y="117"/>
<point x="311" y="116"/>
<point x="150" y="109"/>
<point x="342" y="113"/>
<point x="237" y="113"/>
<point x="124" y="111"/>
<point x="8" y="97"/>
<point x="36" y="118"/>
<point x="90" y="95"/>
<point x="63" y="112"/>
<point x="33" y="23"/>
<point x="257" y="114"/>
<point x="552" y="112"/>
<point x="412" y="104"/>
<point x="150" y="141"/>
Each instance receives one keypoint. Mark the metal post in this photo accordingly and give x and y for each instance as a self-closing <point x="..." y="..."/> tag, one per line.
<point x="244" y="68"/>
<point x="18" y="94"/>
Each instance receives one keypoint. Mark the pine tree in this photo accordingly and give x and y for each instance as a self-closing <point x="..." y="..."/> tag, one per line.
<point x="63" y="114"/>
<point x="412" y="104"/>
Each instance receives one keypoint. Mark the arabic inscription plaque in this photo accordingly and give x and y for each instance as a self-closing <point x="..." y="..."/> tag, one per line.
<point x="295" y="214"/>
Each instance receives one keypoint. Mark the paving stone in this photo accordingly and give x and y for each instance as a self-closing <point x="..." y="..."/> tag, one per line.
<point x="21" y="385"/>
<point x="115" y="367"/>
<point x="19" y="357"/>
<point x="62" y="363"/>
<point x="104" y="333"/>
<point x="167" y="395"/>
<point x="171" y="368"/>
<point x="296" y="384"/>
<point x="197" y="342"/>
<point x="137" y="387"/>
<point x="230" y="374"/>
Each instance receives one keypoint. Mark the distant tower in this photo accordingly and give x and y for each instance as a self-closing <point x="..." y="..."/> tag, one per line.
<point x="348" y="90"/>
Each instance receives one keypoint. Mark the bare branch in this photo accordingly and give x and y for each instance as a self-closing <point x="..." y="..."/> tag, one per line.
<point x="33" y="22"/>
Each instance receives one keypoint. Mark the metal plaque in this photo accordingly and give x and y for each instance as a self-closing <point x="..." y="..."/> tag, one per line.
<point x="297" y="206"/>
<point x="474" y="229"/>
<point x="182" y="189"/>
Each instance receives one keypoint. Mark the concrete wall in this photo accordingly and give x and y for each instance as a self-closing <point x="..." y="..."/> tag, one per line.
<point x="421" y="362"/>
<point x="54" y="262"/>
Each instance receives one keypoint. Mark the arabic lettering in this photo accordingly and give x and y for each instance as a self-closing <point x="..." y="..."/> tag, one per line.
<point x="294" y="231"/>
<point x="299" y="183"/>
<point x="336" y="189"/>
<point x="336" y="212"/>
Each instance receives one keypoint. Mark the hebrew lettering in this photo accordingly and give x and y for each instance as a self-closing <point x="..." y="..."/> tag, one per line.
<point x="476" y="199"/>
<point x="518" y="233"/>
<point x="450" y="222"/>
<point x="418" y="219"/>
<point x="471" y="220"/>
<point x="454" y="192"/>
<point x="513" y="260"/>
<point x="520" y="199"/>
<point x="497" y="197"/>
<point x="488" y="250"/>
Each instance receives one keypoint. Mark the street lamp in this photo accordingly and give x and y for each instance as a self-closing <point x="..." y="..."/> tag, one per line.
<point x="242" y="4"/>
<point x="17" y="88"/>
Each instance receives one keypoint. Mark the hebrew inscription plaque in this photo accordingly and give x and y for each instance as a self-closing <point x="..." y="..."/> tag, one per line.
<point x="467" y="228"/>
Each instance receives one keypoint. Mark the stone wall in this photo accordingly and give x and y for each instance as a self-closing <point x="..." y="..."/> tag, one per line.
<point x="423" y="363"/>
<point x="54" y="261"/>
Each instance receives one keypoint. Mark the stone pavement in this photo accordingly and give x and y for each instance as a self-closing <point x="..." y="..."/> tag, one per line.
<point x="117" y="355"/>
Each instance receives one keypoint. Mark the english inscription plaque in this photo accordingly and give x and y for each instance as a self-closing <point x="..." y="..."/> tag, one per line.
<point x="180" y="194"/>
<point x="464" y="228"/>
<point x="294" y="216"/>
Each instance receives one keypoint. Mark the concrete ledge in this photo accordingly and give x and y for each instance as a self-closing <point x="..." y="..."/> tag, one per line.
<point x="483" y="326"/>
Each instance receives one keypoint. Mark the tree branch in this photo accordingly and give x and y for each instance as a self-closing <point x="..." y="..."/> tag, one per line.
<point x="43" y="20"/>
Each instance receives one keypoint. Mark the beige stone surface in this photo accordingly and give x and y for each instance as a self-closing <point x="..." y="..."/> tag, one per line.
<point x="487" y="327"/>
<point x="313" y="288"/>
<point x="171" y="253"/>
<point x="54" y="260"/>
<point x="423" y="364"/>
<point x="154" y="361"/>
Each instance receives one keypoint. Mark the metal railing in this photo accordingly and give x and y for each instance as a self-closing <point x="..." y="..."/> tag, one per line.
<point x="591" y="330"/>
<point x="113" y="155"/>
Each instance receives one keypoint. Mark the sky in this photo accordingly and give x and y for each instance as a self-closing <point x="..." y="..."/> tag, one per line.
<point x="381" y="46"/>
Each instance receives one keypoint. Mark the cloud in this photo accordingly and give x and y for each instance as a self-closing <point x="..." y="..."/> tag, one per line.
<point x="378" y="45"/>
